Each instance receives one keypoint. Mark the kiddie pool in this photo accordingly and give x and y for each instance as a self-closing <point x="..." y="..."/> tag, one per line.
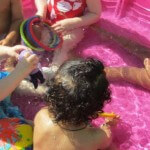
<point x="131" y="19"/>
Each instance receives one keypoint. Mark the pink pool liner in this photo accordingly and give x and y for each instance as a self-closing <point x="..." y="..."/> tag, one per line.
<point x="131" y="19"/>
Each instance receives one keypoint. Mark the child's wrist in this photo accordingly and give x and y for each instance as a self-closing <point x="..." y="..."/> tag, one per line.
<point x="19" y="73"/>
<point x="25" y="71"/>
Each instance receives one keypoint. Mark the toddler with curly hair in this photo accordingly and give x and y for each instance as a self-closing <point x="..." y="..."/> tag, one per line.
<point x="76" y="94"/>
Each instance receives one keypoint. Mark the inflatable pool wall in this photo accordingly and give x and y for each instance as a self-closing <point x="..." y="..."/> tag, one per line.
<point x="129" y="18"/>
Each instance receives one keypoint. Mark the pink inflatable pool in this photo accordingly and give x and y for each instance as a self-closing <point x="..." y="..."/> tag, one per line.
<point x="131" y="19"/>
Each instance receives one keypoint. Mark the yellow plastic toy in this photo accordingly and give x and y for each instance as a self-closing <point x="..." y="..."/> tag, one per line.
<point x="26" y="134"/>
<point x="107" y="115"/>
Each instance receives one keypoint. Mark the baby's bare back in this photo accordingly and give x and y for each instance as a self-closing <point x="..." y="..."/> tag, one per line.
<point x="50" y="136"/>
<point x="5" y="15"/>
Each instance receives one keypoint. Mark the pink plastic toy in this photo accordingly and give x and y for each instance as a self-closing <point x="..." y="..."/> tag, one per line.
<point x="36" y="75"/>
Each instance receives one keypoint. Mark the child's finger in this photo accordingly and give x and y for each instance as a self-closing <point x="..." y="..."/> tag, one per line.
<point x="19" y="48"/>
<point x="35" y="61"/>
<point x="147" y="64"/>
<point x="117" y="117"/>
<point x="58" y="29"/>
<point x="34" y="58"/>
<point x="145" y="61"/>
<point x="26" y="55"/>
<point x="16" y="55"/>
<point x="55" y="25"/>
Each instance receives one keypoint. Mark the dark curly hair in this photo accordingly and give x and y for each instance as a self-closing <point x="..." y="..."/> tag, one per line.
<point x="78" y="91"/>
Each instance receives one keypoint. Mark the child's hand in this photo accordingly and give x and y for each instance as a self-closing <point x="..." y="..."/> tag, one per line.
<point x="6" y="51"/>
<point x="28" y="63"/>
<point x="13" y="51"/>
<point x="63" y="25"/>
<point x="112" y="121"/>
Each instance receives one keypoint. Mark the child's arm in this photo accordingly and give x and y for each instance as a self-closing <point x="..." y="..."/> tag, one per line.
<point x="106" y="136"/>
<point x="40" y="5"/>
<point x="16" y="19"/>
<point x="138" y="76"/>
<point x="23" y="68"/>
<point x="91" y="17"/>
<point x="106" y="127"/>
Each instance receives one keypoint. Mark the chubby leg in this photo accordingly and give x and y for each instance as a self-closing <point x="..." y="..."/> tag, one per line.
<point x="71" y="39"/>
<point x="138" y="76"/>
<point x="27" y="88"/>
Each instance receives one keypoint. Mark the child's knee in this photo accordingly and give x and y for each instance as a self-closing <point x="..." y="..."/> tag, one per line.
<point x="77" y="34"/>
<point x="72" y="38"/>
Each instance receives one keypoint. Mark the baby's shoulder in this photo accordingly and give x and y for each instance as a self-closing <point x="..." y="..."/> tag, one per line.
<point x="43" y="117"/>
<point x="42" y="113"/>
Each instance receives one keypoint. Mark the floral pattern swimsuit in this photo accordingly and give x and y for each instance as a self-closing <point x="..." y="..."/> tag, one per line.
<point x="15" y="132"/>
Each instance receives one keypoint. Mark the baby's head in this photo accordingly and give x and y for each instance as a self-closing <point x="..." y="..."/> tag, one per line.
<point x="78" y="91"/>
